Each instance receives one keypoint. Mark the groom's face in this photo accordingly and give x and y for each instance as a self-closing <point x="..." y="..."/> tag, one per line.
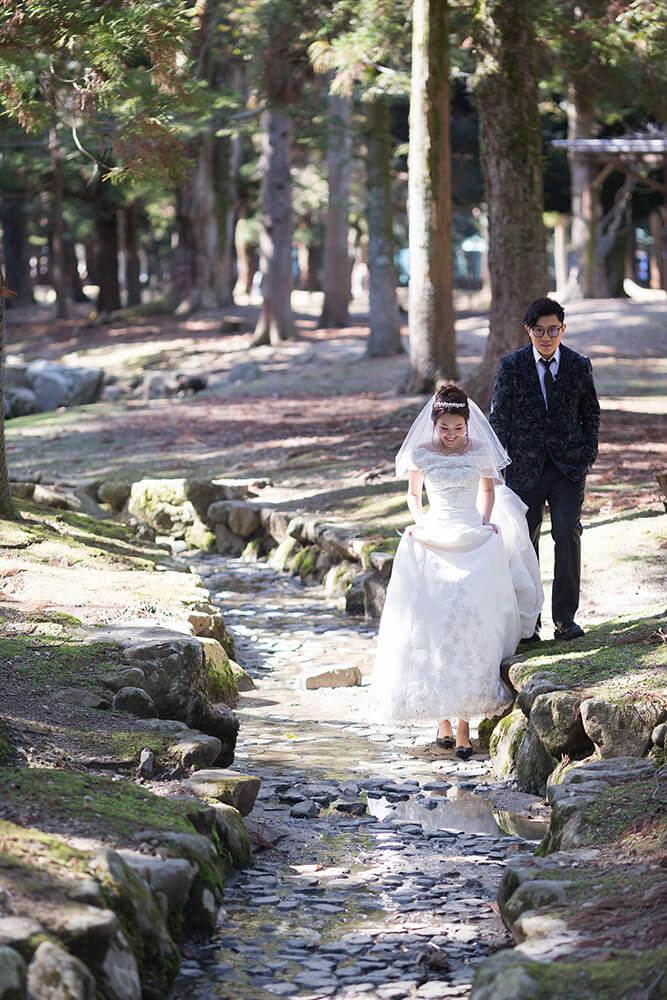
<point x="540" y="335"/>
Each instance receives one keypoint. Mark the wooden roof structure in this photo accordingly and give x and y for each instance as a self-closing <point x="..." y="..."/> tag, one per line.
<point x="620" y="154"/>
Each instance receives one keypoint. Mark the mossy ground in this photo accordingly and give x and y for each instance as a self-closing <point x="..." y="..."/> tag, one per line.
<point x="618" y="660"/>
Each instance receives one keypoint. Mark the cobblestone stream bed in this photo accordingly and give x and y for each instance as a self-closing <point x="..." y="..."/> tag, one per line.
<point x="377" y="855"/>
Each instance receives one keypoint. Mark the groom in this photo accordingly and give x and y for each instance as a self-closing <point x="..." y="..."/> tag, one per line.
<point x="546" y="413"/>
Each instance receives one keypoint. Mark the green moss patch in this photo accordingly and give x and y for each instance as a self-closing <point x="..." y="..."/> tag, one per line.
<point x="614" y="660"/>
<point x="112" y="810"/>
<point x="47" y="656"/>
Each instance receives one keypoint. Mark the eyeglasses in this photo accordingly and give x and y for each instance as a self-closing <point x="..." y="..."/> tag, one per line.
<point x="551" y="331"/>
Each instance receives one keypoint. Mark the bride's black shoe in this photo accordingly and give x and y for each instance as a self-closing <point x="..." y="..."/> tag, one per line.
<point x="465" y="753"/>
<point x="446" y="742"/>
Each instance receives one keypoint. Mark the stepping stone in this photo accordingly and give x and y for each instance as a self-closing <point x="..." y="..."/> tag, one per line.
<point x="238" y="790"/>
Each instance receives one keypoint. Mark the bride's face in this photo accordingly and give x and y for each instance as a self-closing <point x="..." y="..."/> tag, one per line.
<point x="451" y="431"/>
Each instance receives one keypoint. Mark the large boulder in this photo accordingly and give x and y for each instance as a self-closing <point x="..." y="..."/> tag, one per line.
<point x="19" y="402"/>
<point x="504" y="744"/>
<point x="621" y="729"/>
<point x="57" y="385"/>
<point x="533" y="763"/>
<point x="54" y="974"/>
<point x="171" y="506"/>
<point x="12" y="975"/>
<point x="556" y="719"/>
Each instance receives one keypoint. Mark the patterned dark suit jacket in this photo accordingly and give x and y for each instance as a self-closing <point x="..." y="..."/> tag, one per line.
<point x="568" y="432"/>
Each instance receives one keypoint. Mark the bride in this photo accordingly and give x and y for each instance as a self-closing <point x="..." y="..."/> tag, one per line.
<point x="464" y="589"/>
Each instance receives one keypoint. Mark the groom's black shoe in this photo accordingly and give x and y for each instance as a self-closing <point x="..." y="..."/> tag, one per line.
<point x="565" y="631"/>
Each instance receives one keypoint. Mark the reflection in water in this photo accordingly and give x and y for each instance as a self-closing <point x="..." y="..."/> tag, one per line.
<point x="459" y="810"/>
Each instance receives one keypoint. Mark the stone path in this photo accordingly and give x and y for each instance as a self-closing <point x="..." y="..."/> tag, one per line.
<point x="377" y="855"/>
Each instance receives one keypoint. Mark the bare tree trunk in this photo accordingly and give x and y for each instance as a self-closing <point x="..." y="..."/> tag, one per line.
<point x="657" y="267"/>
<point x="337" y="265"/>
<point x="202" y="267"/>
<point x="106" y="226"/>
<point x="580" y="118"/>
<point x="507" y="101"/>
<point x="430" y="301"/>
<point x="276" y="322"/>
<point x="385" y="328"/>
<point x="8" y="510"/>
<point x="132" y="282"/>
<point x="16" y="249"/>
<point x="57" y="226"/>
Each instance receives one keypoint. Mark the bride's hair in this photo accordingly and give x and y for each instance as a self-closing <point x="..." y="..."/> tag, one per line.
<point x="450" y="399"/>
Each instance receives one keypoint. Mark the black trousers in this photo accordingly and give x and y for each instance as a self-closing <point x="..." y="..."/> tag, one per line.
<point x="565" y="499"/>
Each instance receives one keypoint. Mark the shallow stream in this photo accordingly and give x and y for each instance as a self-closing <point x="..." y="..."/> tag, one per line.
<point x="378" y="855"/>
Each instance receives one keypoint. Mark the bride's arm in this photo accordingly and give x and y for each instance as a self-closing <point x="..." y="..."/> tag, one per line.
<point x="488" y="496"/>
<point x="415" y="482"/>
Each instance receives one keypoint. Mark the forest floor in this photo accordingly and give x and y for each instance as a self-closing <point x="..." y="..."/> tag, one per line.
<point x="320" y="422"/>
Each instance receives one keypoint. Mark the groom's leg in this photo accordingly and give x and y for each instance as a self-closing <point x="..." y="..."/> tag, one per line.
<point x="565" y="503"/>
<point x="534" y="500"/>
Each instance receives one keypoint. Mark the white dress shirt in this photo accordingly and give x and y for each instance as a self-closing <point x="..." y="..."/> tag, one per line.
<point x="553" y="365"/>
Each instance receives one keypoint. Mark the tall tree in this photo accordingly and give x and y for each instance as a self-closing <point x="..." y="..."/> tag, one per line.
<point x="430" y="303"/>
<point x="507" y="101"/>
<point x="337" y="264"/>
<point x="385" y="328"/>
<point x="8" y="509"/>
<point x="122" y="76"/>
<point x="276" y="321"/>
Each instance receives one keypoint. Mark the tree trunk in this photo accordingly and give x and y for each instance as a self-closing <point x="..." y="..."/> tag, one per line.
<point x="657" y="268"/>
<point x="132" y="269"/>
<point x="510" y="141"/>
<point x="57" y="226"/>
<point x="276" y="322"/>
<point x="385" y="329"/>
<point x="106" y="227"/>
<point x="580" y="118"/>
<point x="8" y="510"/>
<point x="72" y="272"/>
<point x="198" y="231"/>
<point x="337" y="265"/>
<point x="430" y="297"/>
<point x="560" y="253"/>
<point x="16" y="248"/>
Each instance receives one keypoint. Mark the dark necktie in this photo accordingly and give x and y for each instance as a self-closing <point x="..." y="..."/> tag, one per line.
<point x="548" y="381"/>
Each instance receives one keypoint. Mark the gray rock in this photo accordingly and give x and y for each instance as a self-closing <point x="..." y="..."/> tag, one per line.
<point x="18" y="933"/>
<point x="54" y="974"/>
<point x="658" y="735"/>
<point x="171" y="876"/>
<point x="504" y="744"/>
<point x="306" y="809"/>
<point x="198" y="750"/>
<point x="556" y="720"/>
<point x="226" y="542"/>
<point x="534" y="686"/>
<point x="57" y="385"/>
<point x="281" y="556"/>
<point x="244" y="371"/>
<point x="134" y="700"/>
<point x="534" y="894"/>
<point x="621" y="729"/>
<point x="234" y="835"/>
<point x="146" y="763"/>
<point x="19" y="402"/>
<point x="533" y="763"/>
<point x="51" y="496"/>
<point x="127" y="677"/>
<point x="114" y="492"/>
<point x="506" y="976"/>
<point x="119" y="973"/>
<point x="334" y="677"/>
<point x="238" y="790"/>
<point x="12" y="975"/>
<point x="84" y="697"/>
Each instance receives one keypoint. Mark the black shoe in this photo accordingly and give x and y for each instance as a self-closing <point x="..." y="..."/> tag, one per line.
<point x="531" y="640"/>
<point x="465" y="753"/>
<point x="446" y="742"/>
<point x="565" y="631"/>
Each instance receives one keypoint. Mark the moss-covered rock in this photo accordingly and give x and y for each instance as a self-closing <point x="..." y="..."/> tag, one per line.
<point x="556" y="719"/>
<point x="12" y="974"/>
<point x="220" y="677"/>
<point x="234" y="835"/>
<point x="533" y="763"/>
<point x="504" y="744"/>
<point x="199" y="536"/>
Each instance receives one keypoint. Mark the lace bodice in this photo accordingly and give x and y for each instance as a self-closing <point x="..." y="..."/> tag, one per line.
<point x="451" y="480"/>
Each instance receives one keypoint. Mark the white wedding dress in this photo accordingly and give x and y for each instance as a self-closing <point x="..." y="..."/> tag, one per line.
<point x="460" y="598"/>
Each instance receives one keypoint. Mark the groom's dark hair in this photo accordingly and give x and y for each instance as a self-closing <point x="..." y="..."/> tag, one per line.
<point x="543" y="307"/>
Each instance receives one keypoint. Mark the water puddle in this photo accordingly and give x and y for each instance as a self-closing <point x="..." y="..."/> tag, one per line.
<point x="457" y="810"/>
